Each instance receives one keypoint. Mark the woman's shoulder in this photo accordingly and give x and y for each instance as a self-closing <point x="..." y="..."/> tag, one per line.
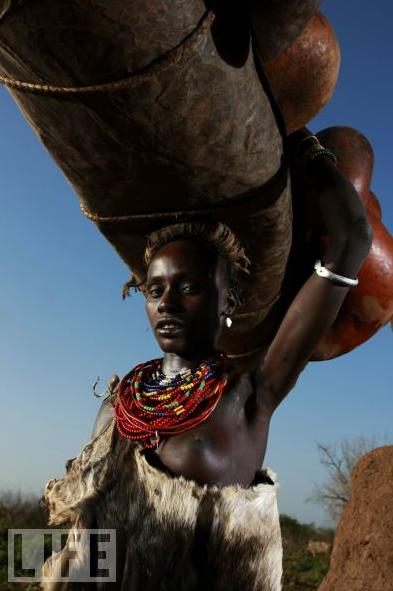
<point x="105" y="415"/>
<point x="249" y="362"/>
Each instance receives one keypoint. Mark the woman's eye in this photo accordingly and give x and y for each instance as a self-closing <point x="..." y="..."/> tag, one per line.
<point x="155" y="291"/>
<point x="190" y="287"/>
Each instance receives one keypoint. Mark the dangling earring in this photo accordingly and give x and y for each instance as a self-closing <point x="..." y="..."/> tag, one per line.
<point x="228" y="321"/>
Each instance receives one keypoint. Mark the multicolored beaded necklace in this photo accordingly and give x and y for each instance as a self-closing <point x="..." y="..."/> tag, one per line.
<point x="151" y="404"/>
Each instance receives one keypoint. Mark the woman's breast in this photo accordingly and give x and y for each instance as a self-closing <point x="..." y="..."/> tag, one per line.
<point x="226" y="449"/>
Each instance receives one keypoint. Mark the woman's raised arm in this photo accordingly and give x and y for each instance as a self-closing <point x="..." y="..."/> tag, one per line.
<point x="316" y="306"/>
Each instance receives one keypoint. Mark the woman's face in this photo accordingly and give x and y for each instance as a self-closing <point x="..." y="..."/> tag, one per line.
<point x="186" y="289"/>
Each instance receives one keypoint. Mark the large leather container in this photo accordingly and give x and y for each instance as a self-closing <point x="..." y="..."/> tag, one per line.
<point x="178" y="122"/>
<point x="158" y="112"/>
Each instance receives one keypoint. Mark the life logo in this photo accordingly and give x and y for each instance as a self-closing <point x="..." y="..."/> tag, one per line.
<point x="59" y="555"/>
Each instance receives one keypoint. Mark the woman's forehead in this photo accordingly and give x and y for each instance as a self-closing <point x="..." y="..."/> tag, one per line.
<point x="184" y="256"/>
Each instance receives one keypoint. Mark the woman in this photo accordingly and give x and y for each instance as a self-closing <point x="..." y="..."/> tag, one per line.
<point x="191" y="507"/>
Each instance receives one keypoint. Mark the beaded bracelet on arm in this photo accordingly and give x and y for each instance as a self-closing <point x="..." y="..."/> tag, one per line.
<point x="323" y="152"/>
<point x="315" y="150"/>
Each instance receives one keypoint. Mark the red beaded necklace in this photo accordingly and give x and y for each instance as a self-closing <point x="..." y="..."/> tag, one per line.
<point x="150" y="405"/>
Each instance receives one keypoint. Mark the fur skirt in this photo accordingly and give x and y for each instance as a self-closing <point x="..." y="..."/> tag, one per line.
<point x="172" y="534"/>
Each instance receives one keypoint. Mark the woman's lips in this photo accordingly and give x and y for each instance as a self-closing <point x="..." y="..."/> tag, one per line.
<point x="169" y="329"/>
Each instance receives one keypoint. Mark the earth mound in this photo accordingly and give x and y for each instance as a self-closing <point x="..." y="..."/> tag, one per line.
<point x="362" y="556"/>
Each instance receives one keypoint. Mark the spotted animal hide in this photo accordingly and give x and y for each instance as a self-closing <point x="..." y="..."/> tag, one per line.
<point x="172" y="534"/>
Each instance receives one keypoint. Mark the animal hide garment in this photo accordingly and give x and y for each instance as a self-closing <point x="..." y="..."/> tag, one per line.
<point x="172" y="534"/>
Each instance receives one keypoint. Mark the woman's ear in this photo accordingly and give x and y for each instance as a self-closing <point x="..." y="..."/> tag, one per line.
<point x="230" y="303"/>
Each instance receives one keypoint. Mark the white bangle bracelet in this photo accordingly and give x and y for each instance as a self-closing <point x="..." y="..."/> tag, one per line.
<point x="328" y="274"/>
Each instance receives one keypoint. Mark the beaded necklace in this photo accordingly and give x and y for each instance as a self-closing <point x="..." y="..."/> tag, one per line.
<point x="151" y="404"/>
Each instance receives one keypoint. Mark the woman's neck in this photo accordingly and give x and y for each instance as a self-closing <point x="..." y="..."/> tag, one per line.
<point x="172" y="363"/>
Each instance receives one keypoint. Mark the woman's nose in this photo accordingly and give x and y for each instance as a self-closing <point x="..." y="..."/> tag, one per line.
<point x="169" y="301"/>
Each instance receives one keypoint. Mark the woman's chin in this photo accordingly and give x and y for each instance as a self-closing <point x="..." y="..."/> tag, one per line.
<point x="172" y="345"/>
<point x="184" y="349"/>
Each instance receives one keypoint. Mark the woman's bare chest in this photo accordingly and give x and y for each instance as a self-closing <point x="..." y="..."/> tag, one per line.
<point x="228" y="447"/>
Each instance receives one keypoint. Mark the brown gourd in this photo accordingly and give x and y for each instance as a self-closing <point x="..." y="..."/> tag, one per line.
<point x="368" y="306"/>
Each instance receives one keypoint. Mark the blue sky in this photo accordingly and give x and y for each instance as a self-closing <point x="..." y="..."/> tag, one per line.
<point x="63" y="322"/>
